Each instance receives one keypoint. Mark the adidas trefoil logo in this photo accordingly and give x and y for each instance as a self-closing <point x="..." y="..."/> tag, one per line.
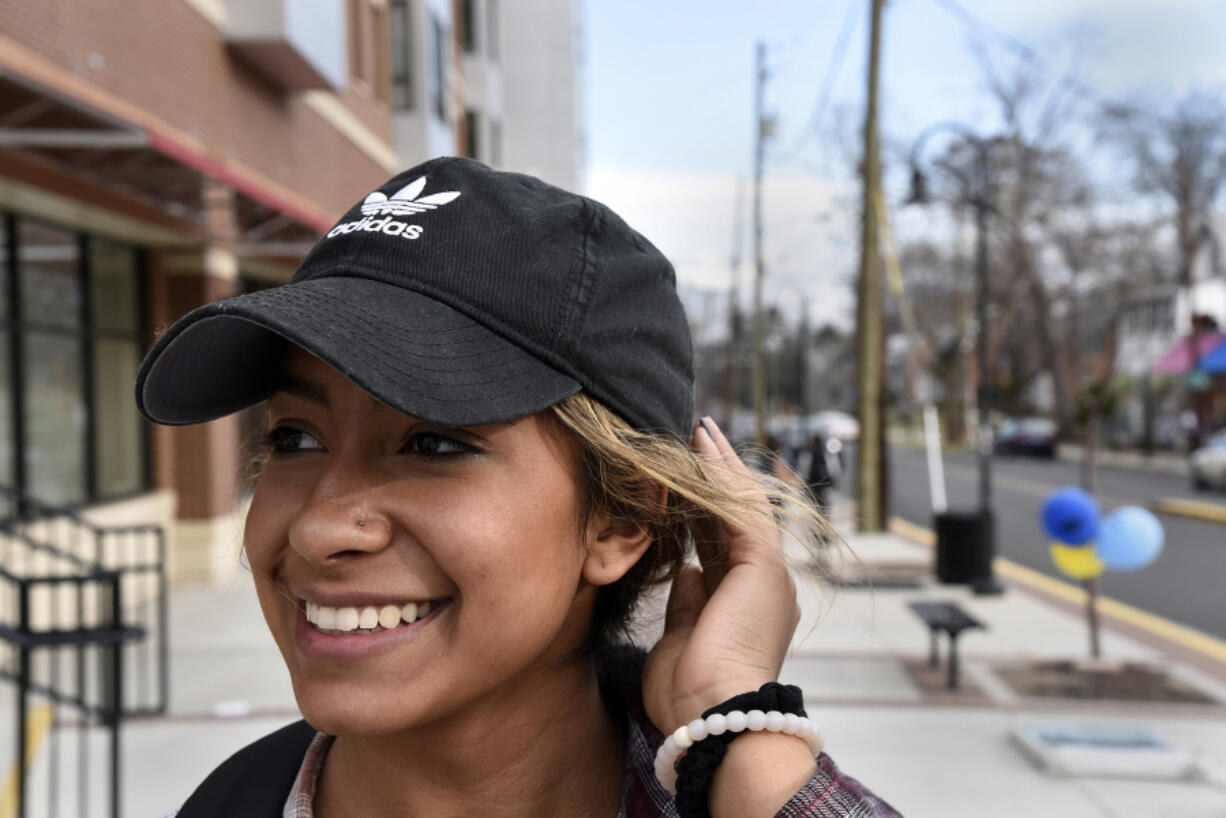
<point x="404" y="202"/>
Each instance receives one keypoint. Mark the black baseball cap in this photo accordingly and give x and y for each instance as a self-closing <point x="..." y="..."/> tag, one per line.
<point x="456" y="294"/>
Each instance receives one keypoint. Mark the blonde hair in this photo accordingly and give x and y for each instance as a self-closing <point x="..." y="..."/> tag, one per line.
<point x="623" y="472"/>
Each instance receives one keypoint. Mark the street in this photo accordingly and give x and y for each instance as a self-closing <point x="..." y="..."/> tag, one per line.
<point x="1185" y="584"/>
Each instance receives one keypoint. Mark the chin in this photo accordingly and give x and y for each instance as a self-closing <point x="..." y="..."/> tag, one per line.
<point x="345" y="709"/>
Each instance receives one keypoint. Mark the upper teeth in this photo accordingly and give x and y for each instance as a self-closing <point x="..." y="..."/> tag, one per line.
<point x="367" y="618"/>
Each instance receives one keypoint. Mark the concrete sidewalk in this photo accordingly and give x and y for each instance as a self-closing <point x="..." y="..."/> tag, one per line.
<point x="859" y="655"/>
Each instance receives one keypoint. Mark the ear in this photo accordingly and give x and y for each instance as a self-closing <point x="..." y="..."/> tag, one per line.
<point x="613" y="547"/>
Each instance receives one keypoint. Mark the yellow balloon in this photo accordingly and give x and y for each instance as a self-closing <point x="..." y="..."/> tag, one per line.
<point x="1077" y="561"/>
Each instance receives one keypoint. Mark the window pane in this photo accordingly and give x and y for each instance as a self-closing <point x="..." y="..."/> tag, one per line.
<point x="7" y="464"/>
<point x="50" y="285"/>
<point x="438" y="75"/>
<point x="468" y="22"/>
<point x="54" y="417"/>
<point x="120" y="460"/>
<point x="401" y="56"/>
<point x="4" y="263"/>
<point x="472" y="138"/>
<point x="113" y="274"/>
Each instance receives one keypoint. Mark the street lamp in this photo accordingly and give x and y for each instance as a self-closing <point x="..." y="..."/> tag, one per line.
<point x="981" y="200"/>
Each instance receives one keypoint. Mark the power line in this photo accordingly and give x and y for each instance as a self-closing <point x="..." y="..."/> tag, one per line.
<point x="833" y="66"/>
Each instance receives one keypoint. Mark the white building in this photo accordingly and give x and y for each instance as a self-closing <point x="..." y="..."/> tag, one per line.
<point x="497" y="80"/>
<point x="1155" y="319"/>
<point x="542" y="89"/>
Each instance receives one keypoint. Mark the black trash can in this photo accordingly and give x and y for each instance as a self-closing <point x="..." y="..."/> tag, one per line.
<point x="965" y="546"/>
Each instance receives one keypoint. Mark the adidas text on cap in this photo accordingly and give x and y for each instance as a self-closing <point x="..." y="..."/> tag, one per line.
<point x="455" y="294"/>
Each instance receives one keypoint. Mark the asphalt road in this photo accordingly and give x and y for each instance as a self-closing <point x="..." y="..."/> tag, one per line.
<point x="1186" y="584"/>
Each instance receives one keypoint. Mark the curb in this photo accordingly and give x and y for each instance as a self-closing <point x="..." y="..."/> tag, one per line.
<point x="1188" y="638"/>
<point x="1195" y="509"/>
<point x="1135" y="461"/>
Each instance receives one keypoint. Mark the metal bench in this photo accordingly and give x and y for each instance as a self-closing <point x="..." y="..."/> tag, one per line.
<point x="948" y="617"/>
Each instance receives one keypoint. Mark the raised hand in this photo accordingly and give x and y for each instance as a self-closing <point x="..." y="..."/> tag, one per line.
<point x="729" y="623"/>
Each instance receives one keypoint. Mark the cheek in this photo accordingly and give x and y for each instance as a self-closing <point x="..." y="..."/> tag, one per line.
<point x="267" y="525"/>
<point x="519" y="545"/>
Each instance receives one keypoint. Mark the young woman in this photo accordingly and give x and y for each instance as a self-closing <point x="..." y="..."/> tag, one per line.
<point x="481" y="452"/>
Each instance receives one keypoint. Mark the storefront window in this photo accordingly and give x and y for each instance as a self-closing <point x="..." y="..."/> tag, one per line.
<point x="119" y="462"/>
<point x="53" y="408"/>
<point x="77" y="323"/>
<point x="8" y="475"/>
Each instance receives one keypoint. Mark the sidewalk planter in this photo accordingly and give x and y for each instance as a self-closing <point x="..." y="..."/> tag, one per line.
<point x="964" y="546"/>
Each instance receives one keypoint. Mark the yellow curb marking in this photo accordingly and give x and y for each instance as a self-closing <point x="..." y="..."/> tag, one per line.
<point x="39" y="722"/>
<point x="1196" y="509"/>
<point x="1186" y="637"/>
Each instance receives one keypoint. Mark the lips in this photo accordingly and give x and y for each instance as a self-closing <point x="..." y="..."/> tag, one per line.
<point x="342" y="643"/>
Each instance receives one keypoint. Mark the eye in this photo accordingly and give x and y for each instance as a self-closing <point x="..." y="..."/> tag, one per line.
<point x="288" y="439"/>
<point x="436" y="444"/>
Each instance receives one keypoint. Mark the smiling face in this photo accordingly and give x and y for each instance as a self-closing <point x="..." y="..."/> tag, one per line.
<point x="360" y="506"/>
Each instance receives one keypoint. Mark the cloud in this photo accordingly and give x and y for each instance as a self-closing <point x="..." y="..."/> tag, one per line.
<point x="810" y="239"/>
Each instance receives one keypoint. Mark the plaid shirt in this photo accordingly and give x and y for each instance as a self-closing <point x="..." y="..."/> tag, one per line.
<point x="829" y="793"/>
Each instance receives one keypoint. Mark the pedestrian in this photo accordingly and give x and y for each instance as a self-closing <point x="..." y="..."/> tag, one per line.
<point x="480" y="454"/>
<point x="817" y="474"/>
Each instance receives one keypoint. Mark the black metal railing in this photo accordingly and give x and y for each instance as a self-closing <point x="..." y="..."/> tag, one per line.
<point x="83" y="625"/>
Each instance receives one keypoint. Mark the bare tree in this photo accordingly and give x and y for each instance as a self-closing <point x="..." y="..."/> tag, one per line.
<point x="1178" y="159"/>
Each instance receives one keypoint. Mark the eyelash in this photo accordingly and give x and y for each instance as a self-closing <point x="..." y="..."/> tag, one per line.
<point x="278" y="442"/>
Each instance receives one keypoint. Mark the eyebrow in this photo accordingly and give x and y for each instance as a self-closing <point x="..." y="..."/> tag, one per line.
<point x="300" y="388"/>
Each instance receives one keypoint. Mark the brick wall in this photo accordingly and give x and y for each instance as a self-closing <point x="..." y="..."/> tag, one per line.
<point x="165" y="58"/>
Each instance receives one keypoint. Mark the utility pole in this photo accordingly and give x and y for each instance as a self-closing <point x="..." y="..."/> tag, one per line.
<point x="759" y="329"/>
<point x="869" y="353"/>
<point x="732" y="380"/>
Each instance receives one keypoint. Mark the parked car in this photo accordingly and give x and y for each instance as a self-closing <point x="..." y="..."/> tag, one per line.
<point x="1207" y="464"/>
<point x="1033" y="436"/>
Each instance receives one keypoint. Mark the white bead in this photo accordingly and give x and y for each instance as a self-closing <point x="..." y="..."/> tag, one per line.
<point x="774" y="721"/>
<point x="698" y="729"/>
<point x="736" y="721"/>
<point x="670" y="750"/>
<point x="791" y="722"/>
<point x="755" y="720"/>
<point x="716" y="725"/>
<point x="681" y="737"/>
<point x="819" y="740"/>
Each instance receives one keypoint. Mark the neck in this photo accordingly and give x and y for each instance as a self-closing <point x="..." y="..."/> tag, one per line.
<point x="537" y="750"/>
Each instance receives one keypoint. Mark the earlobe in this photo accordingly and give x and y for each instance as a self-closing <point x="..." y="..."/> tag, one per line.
<point x="613" y="547"/>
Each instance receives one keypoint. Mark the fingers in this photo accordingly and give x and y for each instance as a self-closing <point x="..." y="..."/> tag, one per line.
<point x="753" y="528"/>
<point x="709" y="441"/>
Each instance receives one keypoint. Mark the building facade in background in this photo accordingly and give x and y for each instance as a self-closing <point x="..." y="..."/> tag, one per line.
<point x="144" y="175"/>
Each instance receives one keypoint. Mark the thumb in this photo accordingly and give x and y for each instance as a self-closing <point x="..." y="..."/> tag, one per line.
<point x="686" y="600"/>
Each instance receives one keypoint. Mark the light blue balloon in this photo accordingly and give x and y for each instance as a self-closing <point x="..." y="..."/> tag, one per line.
<point x="1129" y="538"/>
<point x="1070" y="516"/>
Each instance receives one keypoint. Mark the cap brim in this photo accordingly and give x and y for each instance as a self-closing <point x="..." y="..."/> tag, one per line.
<point x="415" y="354"/>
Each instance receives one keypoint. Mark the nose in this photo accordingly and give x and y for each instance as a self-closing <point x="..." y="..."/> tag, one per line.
<point x="334" y="527"/>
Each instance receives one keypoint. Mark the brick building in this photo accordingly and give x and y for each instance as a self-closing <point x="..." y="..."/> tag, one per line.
<point x="156" y="155"/>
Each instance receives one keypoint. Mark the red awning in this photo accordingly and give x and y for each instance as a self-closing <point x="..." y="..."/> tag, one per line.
<point x="1178" y="360"/>
<point x="39" y="124"/>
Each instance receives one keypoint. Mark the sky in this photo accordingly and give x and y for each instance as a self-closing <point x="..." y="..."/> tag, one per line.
<point x="668" y="87"/>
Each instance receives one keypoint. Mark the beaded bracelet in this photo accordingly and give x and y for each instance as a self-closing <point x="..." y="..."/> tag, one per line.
<point x="737" y="721"/>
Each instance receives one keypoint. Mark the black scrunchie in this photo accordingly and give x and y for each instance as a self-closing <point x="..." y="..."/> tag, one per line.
<point x="697" y="767"/>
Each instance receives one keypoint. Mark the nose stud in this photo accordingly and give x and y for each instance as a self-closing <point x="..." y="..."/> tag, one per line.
<point x="361" y="523"/>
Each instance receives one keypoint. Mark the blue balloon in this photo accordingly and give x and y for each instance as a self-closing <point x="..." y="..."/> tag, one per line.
<point x="1070" y="516"/>
<point x="1129" y="538"/>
